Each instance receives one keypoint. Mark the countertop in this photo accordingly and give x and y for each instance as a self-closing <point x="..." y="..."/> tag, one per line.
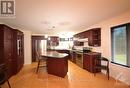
<point x="53" y="54"/>
<point x="92" y="53"/>
<point x="79" y="51"/>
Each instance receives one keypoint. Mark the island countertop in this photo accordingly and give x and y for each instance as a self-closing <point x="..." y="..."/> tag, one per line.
<point x="53" y="54"/>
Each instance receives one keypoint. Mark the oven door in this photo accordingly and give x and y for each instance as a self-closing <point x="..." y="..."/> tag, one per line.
<point x="79" y="59"/>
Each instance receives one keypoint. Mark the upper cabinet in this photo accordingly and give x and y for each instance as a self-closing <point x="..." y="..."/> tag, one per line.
<point x="76" y="42"/>
<point x="93" y="36"/>
<point x="53" y="41"/>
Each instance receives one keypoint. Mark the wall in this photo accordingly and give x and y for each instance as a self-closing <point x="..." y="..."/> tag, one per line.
<point x="105" y="48"/>
<point x="27" y="47"/>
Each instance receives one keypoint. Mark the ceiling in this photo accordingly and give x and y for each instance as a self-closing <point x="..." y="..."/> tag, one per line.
<point x="55" y="16"/>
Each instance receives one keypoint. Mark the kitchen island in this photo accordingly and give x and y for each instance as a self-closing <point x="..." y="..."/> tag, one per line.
<point x="57" y="63"/>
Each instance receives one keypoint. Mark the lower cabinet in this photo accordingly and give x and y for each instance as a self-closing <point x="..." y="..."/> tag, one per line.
<point x="73" y="56"/>
<point x="89" y="61"/>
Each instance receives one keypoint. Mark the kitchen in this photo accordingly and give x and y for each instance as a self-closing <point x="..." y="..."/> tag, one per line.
<point x="78" y="47"/>
<point x="70" y="36"/>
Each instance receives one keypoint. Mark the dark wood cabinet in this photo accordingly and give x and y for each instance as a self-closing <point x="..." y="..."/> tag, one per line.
<point x="18" y="50"/>
<point x="89" y="61"/>
<point x="76" y="42"/>
<point x="74" y="57"/>
<point x="85" y="34"/>
<point x="94" y="37"/>
<point x="8" y="49"/>
<point x="57" y="66"/>
<point x="53" y="41"/>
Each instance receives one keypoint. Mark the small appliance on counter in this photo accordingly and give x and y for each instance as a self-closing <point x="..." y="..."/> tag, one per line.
<point x="87" y="49"/>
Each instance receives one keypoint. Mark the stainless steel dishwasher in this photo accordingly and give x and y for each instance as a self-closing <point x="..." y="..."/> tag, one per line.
<point x="79" y="58"/>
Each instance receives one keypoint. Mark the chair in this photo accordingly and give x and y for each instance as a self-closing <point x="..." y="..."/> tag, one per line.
<point x="102" y="67"/>
<point x="3" y="75"/>
<point x="40" y="59"/>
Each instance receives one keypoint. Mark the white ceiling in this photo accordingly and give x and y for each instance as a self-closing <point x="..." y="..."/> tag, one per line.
<point x="55" y="16"/>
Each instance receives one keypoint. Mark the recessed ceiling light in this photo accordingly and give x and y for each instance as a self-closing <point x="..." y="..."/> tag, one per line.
<point x="45" y="22"/>
<point x="53" y="27"/>
<point x="64" y="23"/>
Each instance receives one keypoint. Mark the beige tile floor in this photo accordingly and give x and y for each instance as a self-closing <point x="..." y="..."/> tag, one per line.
<point x="76" y="78"/>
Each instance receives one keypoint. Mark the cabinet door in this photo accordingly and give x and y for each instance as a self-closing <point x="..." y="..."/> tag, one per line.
<point x="1" y="55"/>
<point x="20" y="50"/>
<point x="94" y="38"/>
<point x="1" y="46"/>
<point x="8" y="49"/>
<point x="86" y="62"/>
<point x="90" y="38"/>
<point x="93" y="62"/>
<point x="86" y="34"/>
<point x="74" y="57"/>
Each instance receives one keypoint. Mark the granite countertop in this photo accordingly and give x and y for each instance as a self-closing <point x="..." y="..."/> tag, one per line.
<point x="92" y="53"/>
<point x="89" y="53"/>
<point x="53" y="54"/>
<point x="59" y="49"/>
<point x="79" y="51"/>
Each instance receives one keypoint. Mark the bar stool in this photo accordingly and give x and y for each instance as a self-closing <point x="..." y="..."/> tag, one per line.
<point x="103" y="67"/>
<point x="3" y="75"/>
<point x="40" y="59"/>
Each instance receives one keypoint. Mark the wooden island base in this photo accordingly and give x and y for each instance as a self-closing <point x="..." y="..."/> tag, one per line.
<point x="57" y="63"/>
<point x="58" y="67"/>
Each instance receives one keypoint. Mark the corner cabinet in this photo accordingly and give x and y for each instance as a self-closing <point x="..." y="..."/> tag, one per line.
<point x="9" y="49"/>
<point x="94" y="37"/>
<point x="89" y="61"/>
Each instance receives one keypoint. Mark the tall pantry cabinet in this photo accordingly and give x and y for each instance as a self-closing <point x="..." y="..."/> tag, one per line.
<point x="11" y="49"/>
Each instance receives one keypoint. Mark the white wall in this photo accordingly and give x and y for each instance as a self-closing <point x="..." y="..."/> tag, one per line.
<point x="27" y="47"/>
<point x="105" y="48"/>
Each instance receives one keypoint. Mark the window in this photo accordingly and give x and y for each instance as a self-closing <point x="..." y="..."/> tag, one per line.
<point x="121" y="44"/>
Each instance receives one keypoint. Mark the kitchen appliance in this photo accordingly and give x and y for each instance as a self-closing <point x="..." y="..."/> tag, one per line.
<point x="83" y="40"/>
<point x="79" y="55"/>
<point x="79" y="58"/>
<point x="87" y="49"/>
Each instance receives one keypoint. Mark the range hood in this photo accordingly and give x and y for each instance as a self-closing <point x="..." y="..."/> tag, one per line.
<point x="83" y="40"/>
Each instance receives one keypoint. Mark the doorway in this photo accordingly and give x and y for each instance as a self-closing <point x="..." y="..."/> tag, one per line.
<point x="39" y="43"/>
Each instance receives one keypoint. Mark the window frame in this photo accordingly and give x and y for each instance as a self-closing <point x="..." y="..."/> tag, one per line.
<point x="127" y="25"/>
